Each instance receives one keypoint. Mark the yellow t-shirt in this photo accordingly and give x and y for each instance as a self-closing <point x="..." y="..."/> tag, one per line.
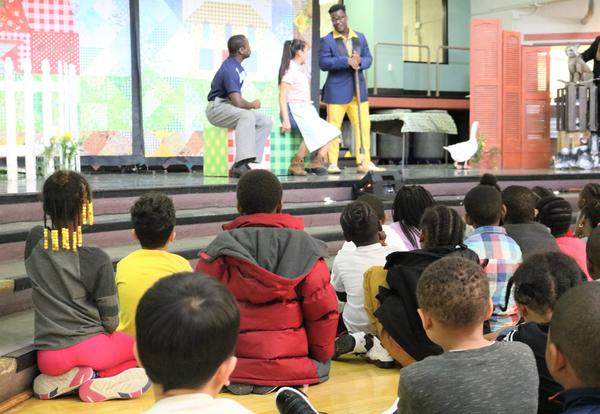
<point x="136" y="273"/>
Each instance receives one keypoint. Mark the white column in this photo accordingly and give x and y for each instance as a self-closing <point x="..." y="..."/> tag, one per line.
<point x="11" y="121"/>
<point x="30" y="147"/>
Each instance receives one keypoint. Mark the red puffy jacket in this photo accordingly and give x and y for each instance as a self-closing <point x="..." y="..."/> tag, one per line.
<point x="288" y="307"/>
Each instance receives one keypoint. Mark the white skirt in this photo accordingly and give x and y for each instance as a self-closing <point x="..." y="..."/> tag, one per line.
<point x="315" y="131"/>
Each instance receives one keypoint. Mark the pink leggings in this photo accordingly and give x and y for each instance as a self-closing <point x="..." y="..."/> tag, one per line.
<point x="107" y="354"/>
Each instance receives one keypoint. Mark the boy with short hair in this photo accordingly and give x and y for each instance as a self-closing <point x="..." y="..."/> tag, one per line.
<point x="592" y="250"/>
<point x="362" y="227"/>
<point x="278" y="275"/>
<point x="187" y="331"/>
<point x="519" y="221"/>
<point x="472" y="375"/>
<point x="153" y="219"/>
<point x="572" y="351"/>
<point x="483" y="211"/>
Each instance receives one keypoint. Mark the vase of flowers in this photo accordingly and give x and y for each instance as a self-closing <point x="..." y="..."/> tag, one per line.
<point x="60" y="153"/>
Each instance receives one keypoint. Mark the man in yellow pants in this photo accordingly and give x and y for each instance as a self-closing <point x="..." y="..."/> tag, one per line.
<point x="342" y="52"/>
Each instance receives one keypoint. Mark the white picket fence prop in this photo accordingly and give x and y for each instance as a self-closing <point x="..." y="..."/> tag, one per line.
<point x="65" y="89"/>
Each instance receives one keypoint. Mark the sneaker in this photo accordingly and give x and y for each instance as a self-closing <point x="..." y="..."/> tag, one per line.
<point x="378" y="355"/>
<point x="316" y="166"/>
<point x="240" y="389"/>
<point x="297" y="167"/>
<point x="333" y="169"/>
<point x="351" y="343"/>
<point x="292" y="401"/>
<point x="363" y="169"/>
<point x="263" y="389"/>
<point x="46" y="387"/>
<point x="237" y="172"/>
<point x="129" y="384"/>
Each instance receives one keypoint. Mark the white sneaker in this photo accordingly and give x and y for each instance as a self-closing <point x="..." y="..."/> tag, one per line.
<point x="129" y="384"/>
<point x="363" y="169"/>
<point x="378" y="355"/>
<point x="46" y="387"/>
<point x="333" y="169"/>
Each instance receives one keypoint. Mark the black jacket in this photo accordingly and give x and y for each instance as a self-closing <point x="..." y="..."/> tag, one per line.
<point x="592" y="53"/>
<point x="398" y="310"/>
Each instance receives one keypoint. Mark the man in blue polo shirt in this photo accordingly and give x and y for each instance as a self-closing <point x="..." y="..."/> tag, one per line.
<point x="226" y="108"/>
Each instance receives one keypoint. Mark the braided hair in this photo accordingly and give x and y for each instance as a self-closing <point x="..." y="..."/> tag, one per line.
<point x="591" y="191"/>
<point x="408" y="208"/>
<point x="64" y="193"/>
<point x="555" y="213"/>
<point x="542" y="279"/>
<point x="591" y="211"/>
<point x="360" y="223"/>
<point x="442" y="226"/>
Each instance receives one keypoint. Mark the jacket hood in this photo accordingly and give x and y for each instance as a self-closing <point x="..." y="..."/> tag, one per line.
<point x="275" y="243"/>
<point x="428" y="255"/>
<point x="277" y="220"/>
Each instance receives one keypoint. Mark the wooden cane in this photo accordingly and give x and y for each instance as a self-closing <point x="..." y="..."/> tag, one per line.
<point x="360" y="130"/>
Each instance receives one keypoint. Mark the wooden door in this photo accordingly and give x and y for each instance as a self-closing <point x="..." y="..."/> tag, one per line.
<point x="535" y="120"/>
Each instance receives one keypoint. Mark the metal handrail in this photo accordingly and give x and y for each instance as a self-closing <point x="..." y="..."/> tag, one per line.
<point x="437" y="64"/>
<point x="401" y="45"/>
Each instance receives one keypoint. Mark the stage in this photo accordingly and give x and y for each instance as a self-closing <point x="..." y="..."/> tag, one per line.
<point x="108" y="185"/>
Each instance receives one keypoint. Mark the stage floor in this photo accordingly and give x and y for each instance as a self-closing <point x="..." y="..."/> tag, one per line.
<point x="110" y="184"/>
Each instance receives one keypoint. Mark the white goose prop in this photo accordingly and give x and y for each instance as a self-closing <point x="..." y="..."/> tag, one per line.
<point x="464" y="151"/>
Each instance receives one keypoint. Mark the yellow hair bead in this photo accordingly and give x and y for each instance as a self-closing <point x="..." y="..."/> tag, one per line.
<point x="45" y="238"/>
<point x="84" y="212"/>
<point x="74" y="240"/>
<point x="54" y="239"/>
<point x="65" y="239"/>
<point x="79" y="237"/>
<point x="90" y="213"/>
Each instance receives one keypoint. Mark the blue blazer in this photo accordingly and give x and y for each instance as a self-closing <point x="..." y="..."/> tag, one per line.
<point x="333" y="58"/>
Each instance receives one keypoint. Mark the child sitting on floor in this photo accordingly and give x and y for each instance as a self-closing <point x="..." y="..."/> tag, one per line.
<point x="153" y="218"/>
<point x="555" y="213"/>
<point x="75" y="303"/>
<point x="538" y="284"/>
<point x="519" y="221"/>
<point x="278" y="275"/>
<point x="592" y="249"/>
<point x="391" y="292"/>
<point x="572" y="354"/>
<point x="499" y="253"/>
<point x="187" y="330"/>
<point x="473" y="375"/>
<point x="361" y="226"/>
<point x="410" y="203"/>
<point x="389" y="236"/>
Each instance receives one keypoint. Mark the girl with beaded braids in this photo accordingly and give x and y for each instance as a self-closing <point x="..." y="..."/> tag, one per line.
<point x="588" y="220"/>
<point x="537" y="285"/>
<point x="75" y="303"/>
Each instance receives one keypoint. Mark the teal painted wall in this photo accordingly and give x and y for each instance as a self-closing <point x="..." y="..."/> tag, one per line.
<point x="381" y="21"/>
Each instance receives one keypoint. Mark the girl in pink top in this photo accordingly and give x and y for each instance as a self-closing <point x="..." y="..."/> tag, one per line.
<point x="555" y="213"/>
<point x="298" y="112"/>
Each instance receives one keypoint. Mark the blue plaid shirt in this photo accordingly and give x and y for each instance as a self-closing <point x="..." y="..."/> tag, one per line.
<point x="504" y="256"/>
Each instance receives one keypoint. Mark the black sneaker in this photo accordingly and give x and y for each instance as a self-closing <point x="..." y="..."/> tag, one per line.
<point x="263" y="389"/>
<point x="240" y="389"/>
<point x="344" y="344"/>
<point x="291" y="401"/>
<point x="238" y="171"/>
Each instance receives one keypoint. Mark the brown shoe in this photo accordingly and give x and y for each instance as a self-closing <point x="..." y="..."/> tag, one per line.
<point x="317" y="166"/>
<point x="297" y="167"/>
